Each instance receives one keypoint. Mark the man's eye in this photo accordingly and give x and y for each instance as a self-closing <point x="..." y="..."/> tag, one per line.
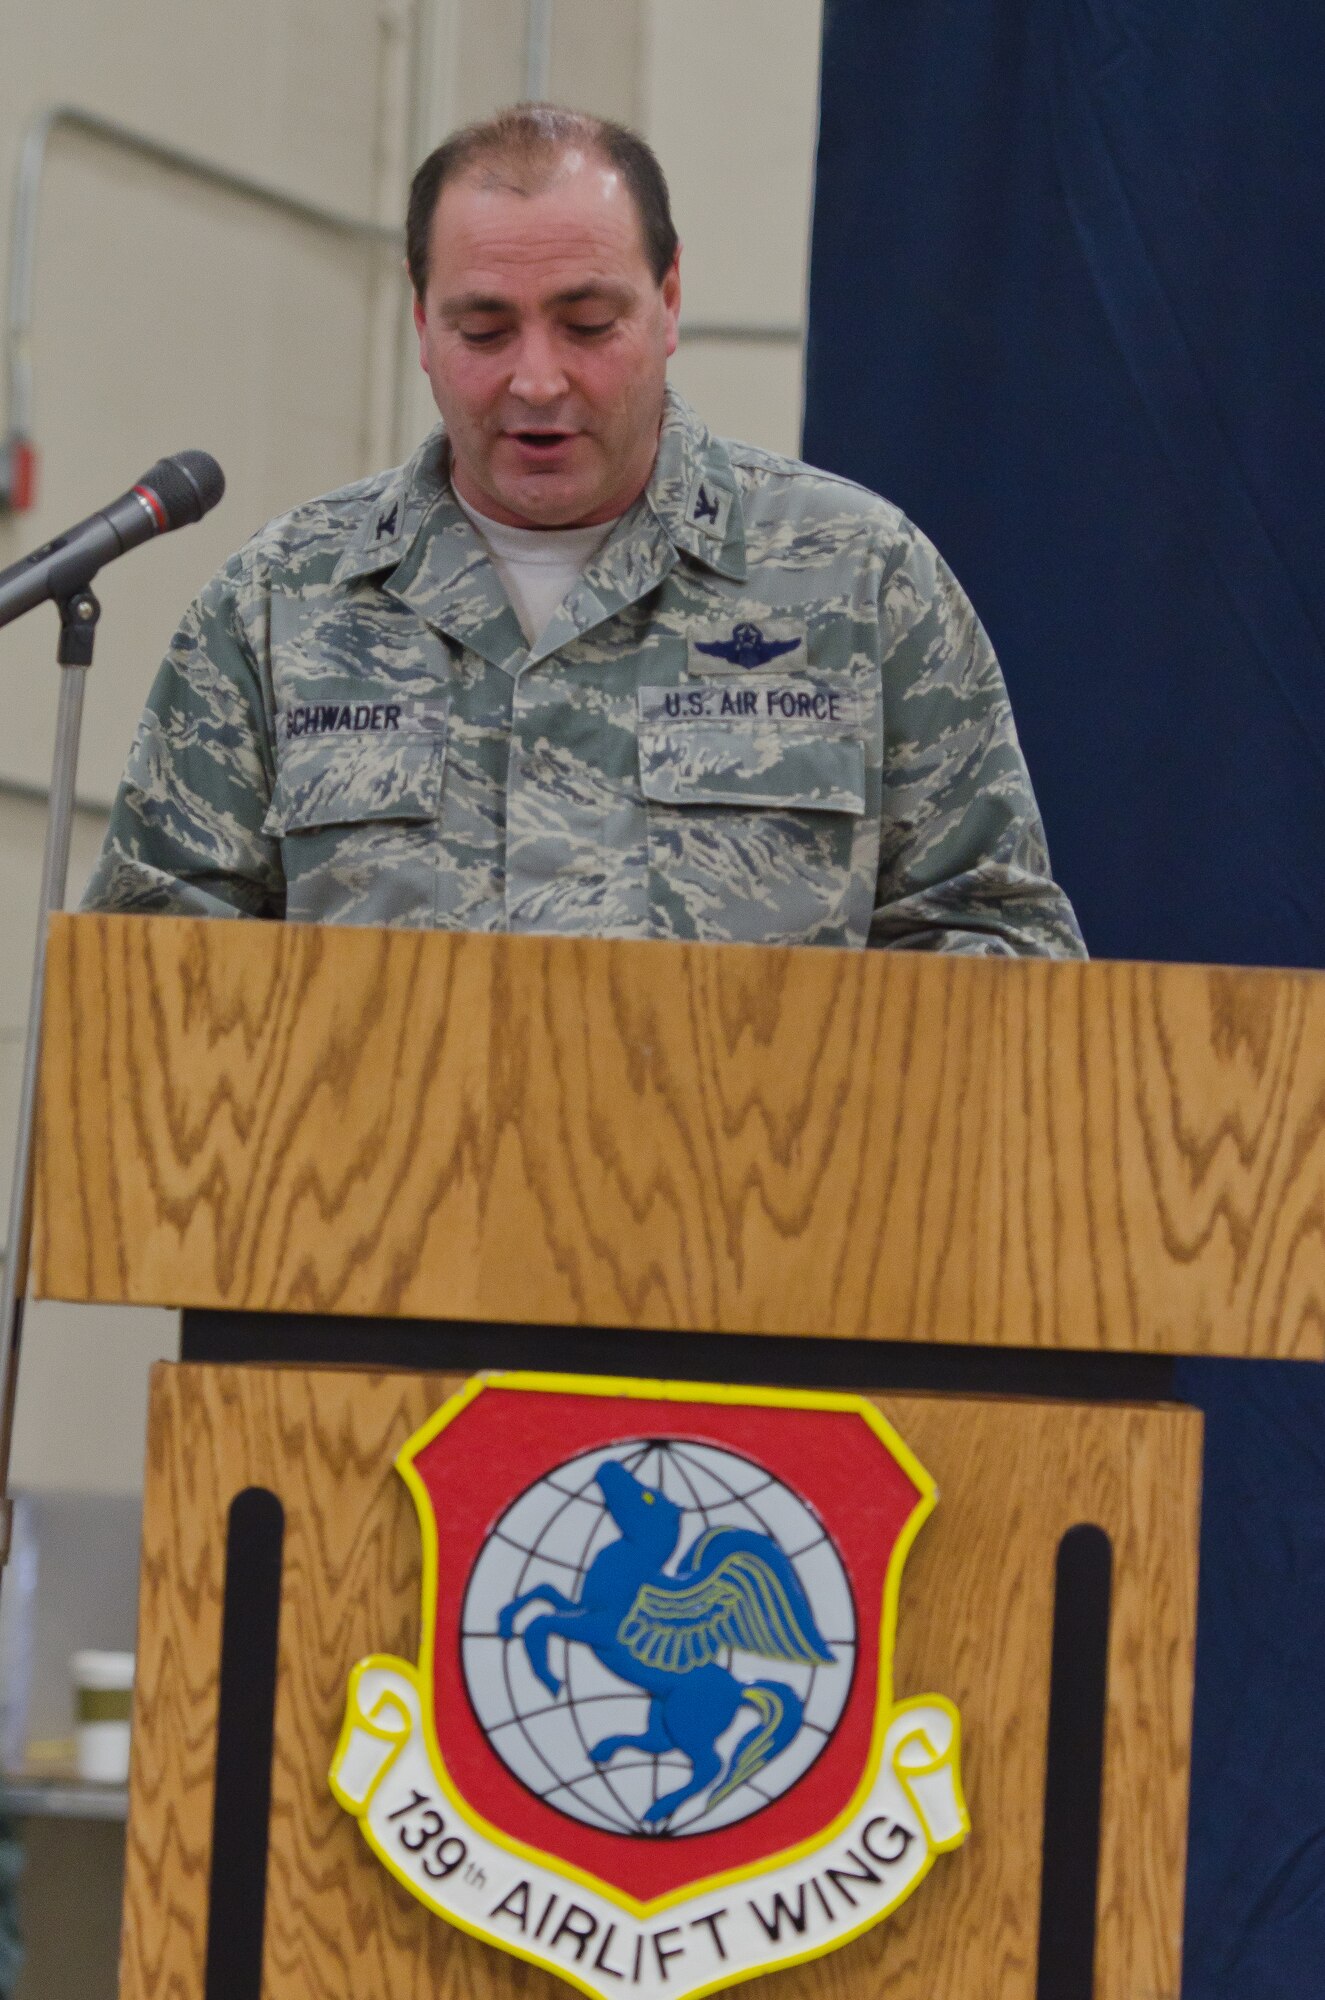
<point x="484" y="339"/>
<point x="592" y="329"/>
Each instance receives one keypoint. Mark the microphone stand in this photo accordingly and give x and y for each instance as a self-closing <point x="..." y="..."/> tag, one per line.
<point x="79" y="612"/>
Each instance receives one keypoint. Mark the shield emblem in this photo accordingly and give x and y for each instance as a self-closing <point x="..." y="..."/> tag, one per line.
<point x="651" y="1737"/>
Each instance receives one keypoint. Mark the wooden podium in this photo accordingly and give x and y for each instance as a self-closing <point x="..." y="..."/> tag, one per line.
<point x="919" y="1177"/>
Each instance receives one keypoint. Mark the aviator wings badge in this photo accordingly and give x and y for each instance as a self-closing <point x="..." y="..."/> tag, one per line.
<point x="748" y="647"/>
<point x="650" y="1743"/>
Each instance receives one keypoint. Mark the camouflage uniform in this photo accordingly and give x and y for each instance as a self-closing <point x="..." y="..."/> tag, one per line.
<point x="765" y="713"/>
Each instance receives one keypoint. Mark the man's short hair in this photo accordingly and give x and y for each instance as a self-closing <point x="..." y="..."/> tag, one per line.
<point x="521" y="149"/>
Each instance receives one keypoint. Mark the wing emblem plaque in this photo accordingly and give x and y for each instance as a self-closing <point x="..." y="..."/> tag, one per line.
<point x="650" y="1742"/>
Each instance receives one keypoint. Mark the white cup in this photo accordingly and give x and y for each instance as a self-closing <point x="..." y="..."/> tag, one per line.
<point x="103" y="1694"/>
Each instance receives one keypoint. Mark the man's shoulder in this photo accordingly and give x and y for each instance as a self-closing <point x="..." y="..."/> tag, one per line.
<point x="314" y="535"/>
<point x="773" y="485"/>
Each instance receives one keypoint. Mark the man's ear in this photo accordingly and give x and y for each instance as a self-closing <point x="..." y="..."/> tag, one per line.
<point x="671" y="295"/>
<point x="420" y="327"/>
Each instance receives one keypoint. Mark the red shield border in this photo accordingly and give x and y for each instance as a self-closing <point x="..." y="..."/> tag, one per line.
<point x="502" y="1433"/>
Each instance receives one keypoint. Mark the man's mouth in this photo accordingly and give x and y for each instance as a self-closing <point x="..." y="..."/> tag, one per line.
<point x="542" y="444"/>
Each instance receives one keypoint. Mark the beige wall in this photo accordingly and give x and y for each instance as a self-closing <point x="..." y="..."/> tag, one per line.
<point x="730" y="99"/>
<point x="83" y="1381"/>
<point x="169" y="315"/>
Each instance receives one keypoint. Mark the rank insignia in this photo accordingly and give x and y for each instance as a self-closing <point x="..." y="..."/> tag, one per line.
<point x="650" y="1743"/>
<point x="708" y="508"/>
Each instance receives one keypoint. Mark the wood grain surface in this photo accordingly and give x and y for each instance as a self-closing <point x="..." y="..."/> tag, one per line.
<point x="975" y="1624"/>
<point x="872" y="1145"/>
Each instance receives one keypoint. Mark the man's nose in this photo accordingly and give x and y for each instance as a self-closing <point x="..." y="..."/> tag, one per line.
<point x="539" y="377"/>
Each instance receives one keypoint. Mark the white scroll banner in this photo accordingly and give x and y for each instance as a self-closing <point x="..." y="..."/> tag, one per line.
<point x="790" y="1911"/>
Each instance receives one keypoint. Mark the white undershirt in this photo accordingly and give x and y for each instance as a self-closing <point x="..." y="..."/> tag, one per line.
<point x="538" y="566"/>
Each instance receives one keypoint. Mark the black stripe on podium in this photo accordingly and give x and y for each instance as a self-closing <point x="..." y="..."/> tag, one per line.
<point x="460" y="1346"/>
<point x="245" y="1723"/>
<point x="1074" y="1775"/>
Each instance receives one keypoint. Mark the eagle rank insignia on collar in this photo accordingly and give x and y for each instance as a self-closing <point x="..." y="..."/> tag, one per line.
<point x="650" y="1743"/>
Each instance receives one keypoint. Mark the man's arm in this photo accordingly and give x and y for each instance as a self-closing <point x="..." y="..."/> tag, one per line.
<point x="185" y="835"/>
<point x="963" y="864"/>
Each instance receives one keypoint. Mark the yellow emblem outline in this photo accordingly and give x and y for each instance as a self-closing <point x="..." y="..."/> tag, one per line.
<point x="642" y="1390"/>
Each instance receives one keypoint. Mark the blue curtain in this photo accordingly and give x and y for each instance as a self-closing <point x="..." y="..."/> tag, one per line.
<point x="1067" y="309"/>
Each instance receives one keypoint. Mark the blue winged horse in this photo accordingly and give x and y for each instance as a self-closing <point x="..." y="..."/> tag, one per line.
<point x="664" y="1634"/>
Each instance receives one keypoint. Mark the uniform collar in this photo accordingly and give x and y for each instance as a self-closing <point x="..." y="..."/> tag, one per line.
<point x="397" y="515"/>
<point x="392" y="520"/>
<point x="693" y="492"/>
<point x="416" y="529"/>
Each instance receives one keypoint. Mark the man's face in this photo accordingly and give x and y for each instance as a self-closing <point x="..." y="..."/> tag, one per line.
<point x="545" y="337"/>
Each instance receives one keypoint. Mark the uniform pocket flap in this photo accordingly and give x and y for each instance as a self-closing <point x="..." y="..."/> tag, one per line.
<point x="355" y="779"/>
<point x="775" y="745"/>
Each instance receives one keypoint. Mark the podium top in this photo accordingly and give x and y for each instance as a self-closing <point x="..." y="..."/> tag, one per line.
<point x="710" y="1138"/>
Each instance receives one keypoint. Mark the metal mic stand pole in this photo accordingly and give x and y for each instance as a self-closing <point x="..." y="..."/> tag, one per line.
<point x="79" y="613"/>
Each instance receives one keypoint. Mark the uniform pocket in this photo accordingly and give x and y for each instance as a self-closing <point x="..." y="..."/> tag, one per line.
<point x="704" y="768"/>
<point x="341" y="781"/>
<point x="357" y="816"/>
<point x="754" y="792"/>
<point x="763" y="740"/>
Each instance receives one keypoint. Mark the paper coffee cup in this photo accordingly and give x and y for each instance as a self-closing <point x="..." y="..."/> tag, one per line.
<point x="103" y="1696"/>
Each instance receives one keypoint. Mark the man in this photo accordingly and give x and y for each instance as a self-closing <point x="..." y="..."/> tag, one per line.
<point x="578" y="666"/>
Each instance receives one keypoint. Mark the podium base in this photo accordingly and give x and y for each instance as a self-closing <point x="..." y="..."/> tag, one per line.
<point x="1052" y="1596"/>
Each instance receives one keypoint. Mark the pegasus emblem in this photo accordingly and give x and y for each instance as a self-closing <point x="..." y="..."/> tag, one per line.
<point x="748" y="647"/>
<point x="664" y="1634"/>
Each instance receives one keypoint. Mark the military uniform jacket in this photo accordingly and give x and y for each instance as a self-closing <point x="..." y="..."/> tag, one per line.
<point x="765" y="713"/>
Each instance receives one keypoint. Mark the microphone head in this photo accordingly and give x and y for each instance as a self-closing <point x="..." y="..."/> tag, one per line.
<point x="187" y="485"/>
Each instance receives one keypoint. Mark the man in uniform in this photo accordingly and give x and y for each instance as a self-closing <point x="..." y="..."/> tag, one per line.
<point x="579" y="666"/>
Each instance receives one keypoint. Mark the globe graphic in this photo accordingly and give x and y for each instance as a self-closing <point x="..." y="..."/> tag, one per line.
<point x="551" y="1534"/>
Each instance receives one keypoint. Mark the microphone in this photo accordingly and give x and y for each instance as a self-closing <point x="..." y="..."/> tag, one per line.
<point x="174" y="492"/>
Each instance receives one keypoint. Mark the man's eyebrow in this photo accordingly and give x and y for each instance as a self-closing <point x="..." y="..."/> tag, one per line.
<point x="473" y="302"/>
<point x="580" y="294"/>
<point x="576" y="295"/>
